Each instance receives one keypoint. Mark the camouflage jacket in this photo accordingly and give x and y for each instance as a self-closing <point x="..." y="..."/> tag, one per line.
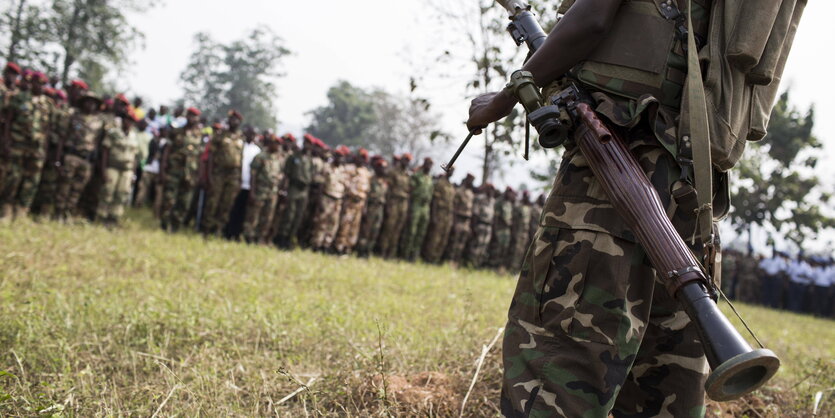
<point x="503" y="217"/>
<point x="83" y="134"/>
<point x="357" y="182"/>
<point x="378" y="190"/>
<point x="30" y="121"/>
<point x="299" y="170"/>
<point x="399" y="184"/>
<point x="483" y="208"/>
<point x="268" y="171"/>
<point x="185" y="147"/>
<point x="123" y="148"/>
<point x="443" y="196"/>
<point x="227" y="150"/>
<point x="334" y="182"/>
<point x="464" y="201"/>
<point x="421" y="185"/>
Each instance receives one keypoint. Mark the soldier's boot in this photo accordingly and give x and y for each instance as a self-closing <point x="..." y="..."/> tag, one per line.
<point x="6" y="213"/>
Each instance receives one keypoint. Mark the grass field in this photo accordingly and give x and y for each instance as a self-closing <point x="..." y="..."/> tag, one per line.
<point x="134" y="322"/>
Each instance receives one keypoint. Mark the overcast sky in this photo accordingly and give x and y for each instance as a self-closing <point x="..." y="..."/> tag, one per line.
<point x="376" y="43"/>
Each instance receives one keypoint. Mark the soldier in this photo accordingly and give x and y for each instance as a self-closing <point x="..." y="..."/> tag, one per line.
<point x="76" y="154"/>
<point x="358" y="183"/>
<point x="326" y="222"/>
<point x="179" y="170"/>
<point x="440" y="220"/>
<point x="267" y="173"/>
<point x="462" y="223"/>
<point x="421" y="197"/>
<point x="502" y="223"/>
<point x="375" y="211"/>
<point x="397" y="206"/>
<point x="298" y="170"/>
<point x="319" y="159"/>
<point x="119" y="151"/>
<point x="47" y="187"/>
<point x="29" y="112"/>
<point x="520" y="238"/>
<point x="8" y="88"/>
<point x="484" y="209"/>
<point x="224" y="173"/>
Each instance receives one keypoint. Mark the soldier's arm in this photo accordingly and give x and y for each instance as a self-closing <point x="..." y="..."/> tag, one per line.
<point x="574" y="38"/>
<point x="163" y="162"/>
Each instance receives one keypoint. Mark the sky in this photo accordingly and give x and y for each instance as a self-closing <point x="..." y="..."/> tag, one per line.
<point x="381" y="43"/>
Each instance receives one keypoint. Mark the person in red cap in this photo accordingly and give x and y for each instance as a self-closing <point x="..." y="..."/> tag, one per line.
<point x="119" y="150"/>
<point x="321" y="170"/>
<point x="372" y="222"/>
<point x="462" y="225"/>
<point x="299" y="173"/>
<point x="420" y="198"/>
<point x="328" y="216"/>
<point x="224" y="181"/>
<point x="357" y="184"/>
<point x="180" y="164"/>
<point x="502" y="224"/>
<point x="440" y="218"/>
<point x="267" y="174"/>
<point x="8" y="88"/>
<point x="519" y="235"/>
<point x="397" y="206"/>
<point x="484" y="211"/>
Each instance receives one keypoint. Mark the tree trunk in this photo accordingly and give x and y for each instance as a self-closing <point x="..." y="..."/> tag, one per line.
<point x="16" y="35"/>
<point x="69" y="42"/>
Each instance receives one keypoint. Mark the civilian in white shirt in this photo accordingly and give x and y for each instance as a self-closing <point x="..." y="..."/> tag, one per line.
<point x="238" y="214"/>
<point x="773" y="273"/>
<point x="821" y="286"/>
<point x="800" y="276"/>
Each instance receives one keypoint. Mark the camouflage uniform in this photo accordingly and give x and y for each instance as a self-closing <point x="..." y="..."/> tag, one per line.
<point x="440" y="220"/>
<point x="500" y="241"/>
<point x="358" y="183"/>
<point x="29" y="130"/>
<point x="299" y="171"/>
<point x="536" y="214"/>
<point x="226" y="151"/>
<point x="6" y="95"/>
<point x="375" y="212"/>
<point x="181" y="174"/>
<point x="116" y="190"/>
<point x="314" y="200"/>
<point x="326" y="222"/>
<point x="461" y="226"/>
<point x="47" y="188"/>
<point x="482" y="228"/>
<point x="79" y="154"/>
<point x="520" y="237"/>
<point x="268" y="172"/>
<point x="421" y="196"/>
<point x="397" y="208"/>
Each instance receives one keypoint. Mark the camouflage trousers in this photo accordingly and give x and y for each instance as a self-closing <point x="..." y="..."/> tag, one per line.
<point x="177" y="194"/>
<point x="479" y="244"/>
<point x="22" y="175"/>
<point x="415" y="232"/>
<point x="499" y="247"/>
<point x="115" y="194"/>
<point x="259" y="217"/>
<point x="326" y="223"/>
<point x="396" y="211"/>
<point x="226" y="183"/>
<point x="75" y="175"/>
<point x="458" y="239"/>
<point x="349" y="225"/>
<point x="437" y="236"/>
<point x="372" y="223"/>
<point x="290" y="221"/>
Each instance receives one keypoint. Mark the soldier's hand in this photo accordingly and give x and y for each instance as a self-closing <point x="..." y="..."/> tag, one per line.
<point x="488" y="108"/>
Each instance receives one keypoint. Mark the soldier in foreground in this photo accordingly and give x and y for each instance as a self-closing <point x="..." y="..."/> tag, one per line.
<point x="224" y="173"/>
<point x="119" y="151"/>
<point x="265" y="179"/>
<point x="179" y="170"/>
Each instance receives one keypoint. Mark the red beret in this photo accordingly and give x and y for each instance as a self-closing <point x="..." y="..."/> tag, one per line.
<point x="407" y="156"/>
<point x="121" y="98"/>
<point x="80" y="84"/>
<point x="309" y="138"/>
<point x="395" y="157"/>
<point x="61" y="94"/>
<point x="194" y="111"/>
<point x="321" y="144"/>
<point x="289" y="137"/>
<point x="10" y="66"/>
<point x="342" y="150"/>
<point x="362" y="152"/>
<point x="49" y="91"/>
<point x="236" y="114"/>
<point x="216" y="126"/>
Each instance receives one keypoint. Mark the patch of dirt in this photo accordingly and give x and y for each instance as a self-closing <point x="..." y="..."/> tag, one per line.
<point x="423" y="393"/>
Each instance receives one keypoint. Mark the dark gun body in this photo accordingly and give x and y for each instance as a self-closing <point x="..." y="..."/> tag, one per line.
<point x="737" y="368"/>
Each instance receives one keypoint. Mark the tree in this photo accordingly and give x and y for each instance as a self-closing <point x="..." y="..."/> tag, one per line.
<point x="778" y="188"/>
<point x="27" y="28"/>
<point x="240" y="75"/>
<point x="346" y="118"/>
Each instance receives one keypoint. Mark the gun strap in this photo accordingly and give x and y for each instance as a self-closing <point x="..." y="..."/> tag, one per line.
<point x="699" y="133"/>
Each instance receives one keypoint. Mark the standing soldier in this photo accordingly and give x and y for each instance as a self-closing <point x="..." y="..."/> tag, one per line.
<point x="519" y="235"/>
<point x="266" y="175"/>
<point x="462" y="223"/>
<point x="440" y="220"/>
<point x="502" y="223"/>
<point x="375" y="210"/>
<point x="76" y="153"/>
<point x="397" y="206"/>
<point x="358" y="183"/>
<point x="483" y="214"/>
<point x="326" y="221"/>
<point x="119" y="150"/>
<point x="179" y="170"/>
<point x="226" y="150"/>
<point x="319" y="159"/>
<point x="8" y="88"/>
<point x="29" y="123"/>
<point x="421" y="197"/>
<point x="299" y="172"/>
<point x="45" y="196"/>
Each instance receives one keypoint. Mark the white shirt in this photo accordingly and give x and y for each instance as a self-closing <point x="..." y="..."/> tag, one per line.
<point x="250" y="151"/>
<point x="773" y="266"/>
<point x="800" y="272"/>
<point x="821" y="276"/>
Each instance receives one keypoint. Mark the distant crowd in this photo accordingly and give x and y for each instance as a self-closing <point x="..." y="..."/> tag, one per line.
<point x="799" y="284"/>
<point x="70" y="154"/>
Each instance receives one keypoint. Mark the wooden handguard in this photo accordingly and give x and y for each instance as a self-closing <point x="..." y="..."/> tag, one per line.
<point x="636" y="200"/>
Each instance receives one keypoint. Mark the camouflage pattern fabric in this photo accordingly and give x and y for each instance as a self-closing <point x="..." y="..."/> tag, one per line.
<point x="500" y="241"/>
<point x="326" y="222"/>
<point x="375" y="212"/>
<point x="299" y="171"/>
<point x="461" y="225"/>
<point x="48" y="186"/>
<point x="421" y="196"/>
<point x="358" y="183"/>
<point x="116" y="190"/>
<point x="28" y="130"/>
<point x="226" y="148"/>
<point x="536" y="215"/>
<point x="267" y="172"/>
<point x="519" y="236"/>
<point x="591" y="328"/>
<point x="397" y="209"/>
<point x="483" y="213"/>
<point x="440" y="220"/>
<point x="75" y="174"/>
<point x="181" y="175"/>
<point x="317" y="181"/>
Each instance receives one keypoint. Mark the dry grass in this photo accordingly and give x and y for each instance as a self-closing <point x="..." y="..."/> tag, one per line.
<point x="138" y="323"/>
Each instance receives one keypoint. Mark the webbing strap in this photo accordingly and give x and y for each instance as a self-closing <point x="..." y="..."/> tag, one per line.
<point x="699" y="134"/>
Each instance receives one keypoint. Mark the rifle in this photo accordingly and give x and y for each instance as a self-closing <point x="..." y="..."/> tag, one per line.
<point x="737" y="369"/>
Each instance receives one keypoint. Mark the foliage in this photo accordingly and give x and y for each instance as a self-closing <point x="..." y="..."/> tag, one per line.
<point x="240" y="75"/>
<point x="346" y="118"/>
<point x="777" y="186"/>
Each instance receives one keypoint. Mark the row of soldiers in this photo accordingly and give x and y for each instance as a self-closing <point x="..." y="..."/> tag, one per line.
<point x="801" y="284"/>
<point x="74" y="154"/>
